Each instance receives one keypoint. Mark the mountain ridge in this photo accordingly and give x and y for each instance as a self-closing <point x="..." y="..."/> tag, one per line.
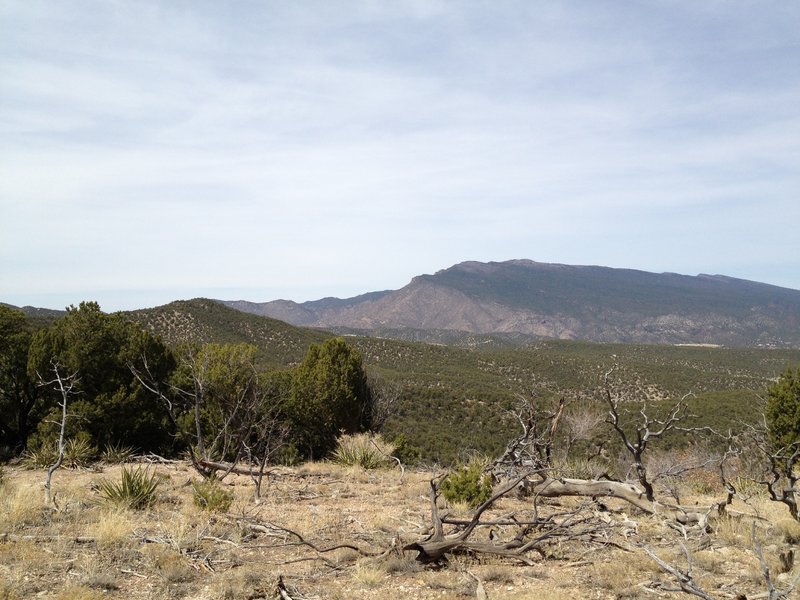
<point x="552" y="300"/>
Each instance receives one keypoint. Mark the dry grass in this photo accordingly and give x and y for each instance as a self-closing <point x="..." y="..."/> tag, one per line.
<point x="624" y="573"/>
<point x="21" y="505"/>
<point x="112" y="529"/>
<point x="788" y="530"/>
<point x="86" y="550"/>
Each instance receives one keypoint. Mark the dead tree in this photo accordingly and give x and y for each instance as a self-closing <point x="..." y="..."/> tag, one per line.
<point x="778" y="465"/>
<point x="531" y="451"/>
<point x="385" y="397"/>
<point x="248" y="427"/>
<point x="688" y="585"/>
<point x="65" y="386"/>
<point x="649" y="430"/>
<point x="266" y="436"/>
<point x="684" y="577"/>
<point x="782" y="482"/>
<point x="532" y="534"/>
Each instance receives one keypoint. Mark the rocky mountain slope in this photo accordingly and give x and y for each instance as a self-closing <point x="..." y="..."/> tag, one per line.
<point x="564" y="302"/>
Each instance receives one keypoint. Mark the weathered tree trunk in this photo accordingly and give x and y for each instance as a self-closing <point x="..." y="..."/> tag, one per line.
<point x="550" y="487"/>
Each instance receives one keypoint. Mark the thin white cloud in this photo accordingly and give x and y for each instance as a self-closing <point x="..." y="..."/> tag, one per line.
<point x="297" y="149"/>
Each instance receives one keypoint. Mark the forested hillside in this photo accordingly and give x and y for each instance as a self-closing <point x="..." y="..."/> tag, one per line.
<point x="201" y="321"/>
<point x="445" y="401"/>
<point x="448" y="400"/>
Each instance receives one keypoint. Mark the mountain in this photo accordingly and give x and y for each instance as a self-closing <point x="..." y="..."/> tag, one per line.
<point x="544" y="300"/>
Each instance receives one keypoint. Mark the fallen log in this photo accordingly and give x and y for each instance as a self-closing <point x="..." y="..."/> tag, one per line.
<point x="550" y="487"/>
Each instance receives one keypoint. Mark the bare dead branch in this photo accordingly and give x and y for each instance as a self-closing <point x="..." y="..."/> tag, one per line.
<point x="65" y="385"/>
<point x="684" y="577"/>
<point x="532" y="449"/>
<point x="649" y="429"/>
<point x="533" y="534"/>
<point x="286" y="534"/>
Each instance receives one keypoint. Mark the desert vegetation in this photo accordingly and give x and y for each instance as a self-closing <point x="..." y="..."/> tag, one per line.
<point x="324" y="530"/>
<point x="371" y="468"/>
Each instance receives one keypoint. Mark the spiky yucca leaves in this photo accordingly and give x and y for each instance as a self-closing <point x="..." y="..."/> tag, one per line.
<point x="41" y="457"/>
<point x="136" y="488"/>
<point x="210" y="496"/>
<point x="117" y="454"/>
<point x="366" y="450"/>
<point x="78" y="453"/>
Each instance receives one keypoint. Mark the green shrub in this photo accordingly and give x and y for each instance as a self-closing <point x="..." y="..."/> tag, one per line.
<point x="210" y="496"/>
<point x="366" y="450"/>
<point x="468" y="483"/>
<point x="406" y="452"/>
<point x="136" y="488"/>
<point x="117" y="454"/>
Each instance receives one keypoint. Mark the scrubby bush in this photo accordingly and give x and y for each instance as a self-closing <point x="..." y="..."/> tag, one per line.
<point x="366" y="450"/>
<point x="468" y="483"/>
<point x="136" y="488"/>
<point x="209" y="495"/>
<point x="783" y="410"/>
<point x="406" y="452"/>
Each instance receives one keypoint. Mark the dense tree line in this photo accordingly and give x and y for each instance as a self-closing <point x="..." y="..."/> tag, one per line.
<point x="216" y="396"/>
<point x="131" y="389"/>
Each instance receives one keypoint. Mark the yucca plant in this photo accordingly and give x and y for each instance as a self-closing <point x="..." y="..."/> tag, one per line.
<point x="210" y="496"/>
<point x="79" y="452"/>
<point x="41" y="457"/>
<point x="116" y="454"/>
<point x="366" y="450"/>
<point x="136" y="488"/>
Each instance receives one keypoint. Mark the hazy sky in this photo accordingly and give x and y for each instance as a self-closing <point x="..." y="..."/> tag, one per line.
<point x="160" y="150"/>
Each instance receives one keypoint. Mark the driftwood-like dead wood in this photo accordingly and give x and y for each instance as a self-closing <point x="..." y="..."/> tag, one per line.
<point x="550" y="487"/>
<point x="42" y="539"/>
<point x="684" y="578"/>
<point x="533" y="534"/>
<point x="227" y="467"/>
<point x="290" y="538"/>
<point x="285" y="593"/>
<point x="532" y="448"/>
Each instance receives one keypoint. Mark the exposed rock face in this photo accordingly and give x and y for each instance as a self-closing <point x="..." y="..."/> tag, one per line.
<point x="566" y="302"/>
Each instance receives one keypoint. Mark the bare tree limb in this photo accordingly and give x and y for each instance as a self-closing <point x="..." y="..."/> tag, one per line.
<point x="65" y="385"/>
<point x="685" y="578"/>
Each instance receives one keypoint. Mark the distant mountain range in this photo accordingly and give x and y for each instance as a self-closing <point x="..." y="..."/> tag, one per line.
<point x="541" y="300"/>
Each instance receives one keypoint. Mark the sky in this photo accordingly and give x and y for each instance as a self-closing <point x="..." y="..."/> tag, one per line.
<point x="156" y="150"/>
